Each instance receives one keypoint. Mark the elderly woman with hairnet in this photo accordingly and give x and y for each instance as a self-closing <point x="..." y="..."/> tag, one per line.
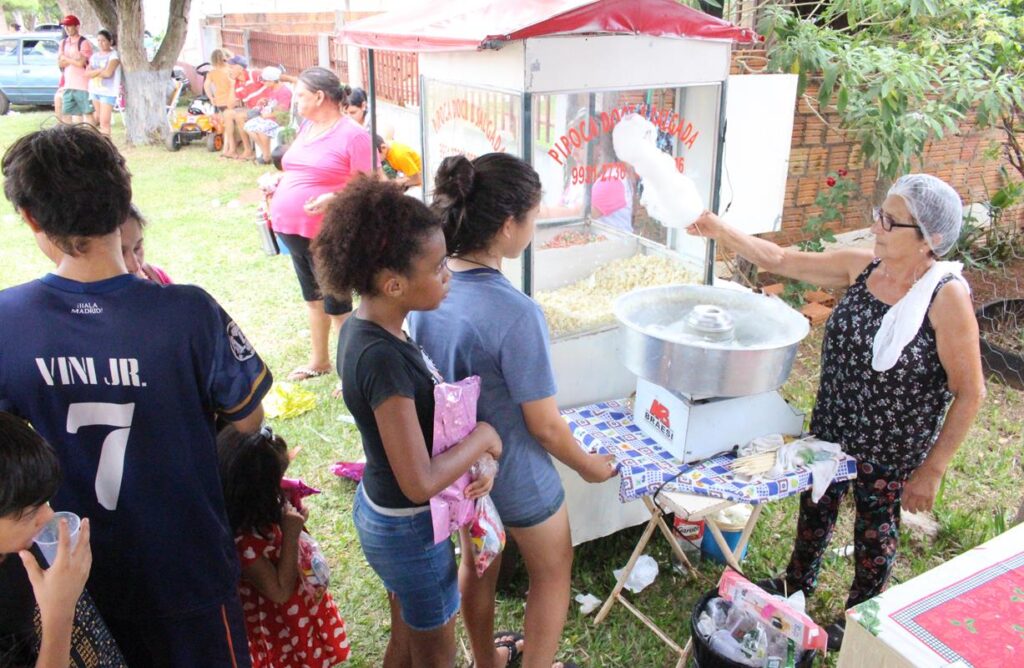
<point x="901" y="377"/>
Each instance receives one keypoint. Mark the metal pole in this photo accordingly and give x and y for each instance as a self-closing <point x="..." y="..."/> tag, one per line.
<point x="709" y="260"/>
<point x="587" y="186"/>
<point x="427" y="173"/>
<point x="371" y="91"/>
<point x="527" y="142"/>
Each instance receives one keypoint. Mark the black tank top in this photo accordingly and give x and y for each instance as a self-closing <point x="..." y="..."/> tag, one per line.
<point x="886" y="417"/>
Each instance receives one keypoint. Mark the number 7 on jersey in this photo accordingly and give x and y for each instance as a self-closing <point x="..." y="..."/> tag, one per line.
<point x="111" y="466"/>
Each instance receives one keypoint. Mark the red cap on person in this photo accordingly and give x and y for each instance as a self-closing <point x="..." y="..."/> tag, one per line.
<point x="70" y="20"/>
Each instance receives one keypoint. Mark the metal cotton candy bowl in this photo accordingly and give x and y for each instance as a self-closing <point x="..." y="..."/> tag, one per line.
<point x="704" y="341"/>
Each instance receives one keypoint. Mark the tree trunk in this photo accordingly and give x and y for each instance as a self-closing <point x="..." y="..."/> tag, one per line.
<point x="146" y="95"/>
<point x="91" y="20"/>
<point x="145" y="83"/>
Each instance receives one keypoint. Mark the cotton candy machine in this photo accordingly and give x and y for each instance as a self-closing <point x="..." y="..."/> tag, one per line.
<point x="709" y="361"/>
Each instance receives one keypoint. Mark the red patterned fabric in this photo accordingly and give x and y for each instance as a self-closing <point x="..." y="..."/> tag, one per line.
<point x="301" y="633"/>
<point x="979" y="620"/>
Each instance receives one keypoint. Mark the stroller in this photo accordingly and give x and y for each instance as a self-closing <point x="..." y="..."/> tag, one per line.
<point x="198" y="122"/>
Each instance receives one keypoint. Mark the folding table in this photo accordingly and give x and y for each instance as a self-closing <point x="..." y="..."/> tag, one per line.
<point x="666" y="485"/>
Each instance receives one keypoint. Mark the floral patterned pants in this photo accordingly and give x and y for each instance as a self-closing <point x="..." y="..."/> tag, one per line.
<point x="876" y="493"/>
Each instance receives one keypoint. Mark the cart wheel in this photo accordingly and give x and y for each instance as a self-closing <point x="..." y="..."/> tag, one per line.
<point x="214" y="142"/>
<point x="173" y="141"/>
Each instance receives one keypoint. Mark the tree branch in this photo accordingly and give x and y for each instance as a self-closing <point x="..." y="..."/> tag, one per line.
<point x="1014" y="151"/>
<point x="131" y="43"/>
<point x="174" y="37"/>
<point x="106" y="12"/>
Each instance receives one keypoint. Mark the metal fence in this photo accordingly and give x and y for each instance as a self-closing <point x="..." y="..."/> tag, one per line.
<point x="339" y="60"/>
<point x="233" y="40"/>
<point x="397" y="76"/>
<point x="295" y="52"/>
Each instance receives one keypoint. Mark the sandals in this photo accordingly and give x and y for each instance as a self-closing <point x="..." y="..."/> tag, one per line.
<point x="305" y="373"/>
<point x="513" y="639"/>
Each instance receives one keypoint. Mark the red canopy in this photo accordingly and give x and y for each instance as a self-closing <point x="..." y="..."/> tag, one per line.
<point x="463" y="25"/>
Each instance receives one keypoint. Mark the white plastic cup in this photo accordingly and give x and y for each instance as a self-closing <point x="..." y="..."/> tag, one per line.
<point x="48" y="537"/>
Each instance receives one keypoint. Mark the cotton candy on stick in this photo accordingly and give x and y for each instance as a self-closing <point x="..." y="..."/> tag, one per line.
<point x="669" y="196"/>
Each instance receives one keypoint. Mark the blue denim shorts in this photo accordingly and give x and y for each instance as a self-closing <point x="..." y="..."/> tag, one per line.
<point x="401" y="550"/>
<point x="105" y="99"/>
<point x="526" y="516"/>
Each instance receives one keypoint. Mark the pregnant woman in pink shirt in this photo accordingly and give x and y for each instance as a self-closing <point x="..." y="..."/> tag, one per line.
<point x="327" y="151"/>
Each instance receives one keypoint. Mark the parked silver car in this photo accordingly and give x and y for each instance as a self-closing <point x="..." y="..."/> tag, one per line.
<point x="28" y="68"/>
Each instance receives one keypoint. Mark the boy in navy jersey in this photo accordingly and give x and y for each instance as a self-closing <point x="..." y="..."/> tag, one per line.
<point x="125" y="378"/>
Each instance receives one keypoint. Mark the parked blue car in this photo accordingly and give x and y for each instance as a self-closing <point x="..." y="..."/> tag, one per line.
<point x="28" y="68"/>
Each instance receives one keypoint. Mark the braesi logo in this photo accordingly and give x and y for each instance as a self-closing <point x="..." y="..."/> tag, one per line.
<point x="658" y="417"/>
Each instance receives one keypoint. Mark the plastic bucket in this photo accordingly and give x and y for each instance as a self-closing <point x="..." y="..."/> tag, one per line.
<point x="708" y="658"/>
<point x="709" y="547"/>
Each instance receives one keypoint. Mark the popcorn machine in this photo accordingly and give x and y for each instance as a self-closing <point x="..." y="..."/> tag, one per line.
<point x="549" y="82"/>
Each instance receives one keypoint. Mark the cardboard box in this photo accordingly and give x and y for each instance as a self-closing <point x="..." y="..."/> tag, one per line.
<point x="695" y="430"/>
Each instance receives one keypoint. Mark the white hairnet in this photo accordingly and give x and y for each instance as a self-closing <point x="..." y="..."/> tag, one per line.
<point x="935" y="206"/>
<point x="271" y="73"/>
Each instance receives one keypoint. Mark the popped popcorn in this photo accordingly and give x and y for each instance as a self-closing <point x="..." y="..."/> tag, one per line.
<point x="587" y="304"/>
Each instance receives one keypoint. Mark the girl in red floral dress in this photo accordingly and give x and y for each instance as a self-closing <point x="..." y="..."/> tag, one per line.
<point x="290" y="619"/>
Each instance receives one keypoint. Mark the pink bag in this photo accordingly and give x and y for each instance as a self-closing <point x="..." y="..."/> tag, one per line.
<point x="296" y="490"/>
<point x="454" y="419"/>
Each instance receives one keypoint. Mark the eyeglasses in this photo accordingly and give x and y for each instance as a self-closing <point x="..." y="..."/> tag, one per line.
<point x="888" y="222"/>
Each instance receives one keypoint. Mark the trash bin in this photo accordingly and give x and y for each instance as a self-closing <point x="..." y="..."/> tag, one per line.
<point x="706" y="657"/>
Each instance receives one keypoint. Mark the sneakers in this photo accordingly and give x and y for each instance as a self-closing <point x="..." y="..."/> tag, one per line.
<point x="835" y="632"/>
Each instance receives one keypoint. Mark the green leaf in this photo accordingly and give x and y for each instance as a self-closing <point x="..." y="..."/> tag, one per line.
<point x="843" y="99"/>
<point x="828" y="84"/>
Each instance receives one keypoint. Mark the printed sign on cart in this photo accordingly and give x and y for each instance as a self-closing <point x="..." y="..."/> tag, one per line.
<point x="470" y="122"/>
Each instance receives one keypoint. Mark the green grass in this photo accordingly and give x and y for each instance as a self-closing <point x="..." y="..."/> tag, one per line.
<point x="200" y="234"/>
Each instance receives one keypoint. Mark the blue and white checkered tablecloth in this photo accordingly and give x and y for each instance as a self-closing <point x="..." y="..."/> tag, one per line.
<point x="608" y="427"/>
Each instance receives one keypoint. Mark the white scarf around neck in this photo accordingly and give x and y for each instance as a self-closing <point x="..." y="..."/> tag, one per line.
<point x="901" y="324"/>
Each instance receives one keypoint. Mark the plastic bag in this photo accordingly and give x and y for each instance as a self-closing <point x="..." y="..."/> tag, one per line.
<point x="454" y="419"/>
<point x="644" y="572"/>
<point x="313" y="567"/>
<point x="486" y="534"/>
<point x="774" y="611"/>
<point x="295" y="490"/>
<point x="351" y="470"/>
<point x="285" y="400"/>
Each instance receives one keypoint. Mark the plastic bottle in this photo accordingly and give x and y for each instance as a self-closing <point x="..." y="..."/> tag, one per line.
<point x="267" y="240"/>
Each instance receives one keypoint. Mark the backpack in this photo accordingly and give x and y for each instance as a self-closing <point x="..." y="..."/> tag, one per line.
<point x="64" y="41"/>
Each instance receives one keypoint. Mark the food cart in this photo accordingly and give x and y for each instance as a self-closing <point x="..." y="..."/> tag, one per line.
<point x="548" y="81"/>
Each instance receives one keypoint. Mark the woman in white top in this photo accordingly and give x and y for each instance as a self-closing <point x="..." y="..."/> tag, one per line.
<point x="104" y="74"/>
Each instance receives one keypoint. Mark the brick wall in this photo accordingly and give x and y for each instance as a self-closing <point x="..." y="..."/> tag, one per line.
<point x="282" y="22"/>
<point x="819" y="146"/>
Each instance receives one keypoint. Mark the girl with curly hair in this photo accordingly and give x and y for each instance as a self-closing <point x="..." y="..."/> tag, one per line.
<point x="390" y="249"/>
